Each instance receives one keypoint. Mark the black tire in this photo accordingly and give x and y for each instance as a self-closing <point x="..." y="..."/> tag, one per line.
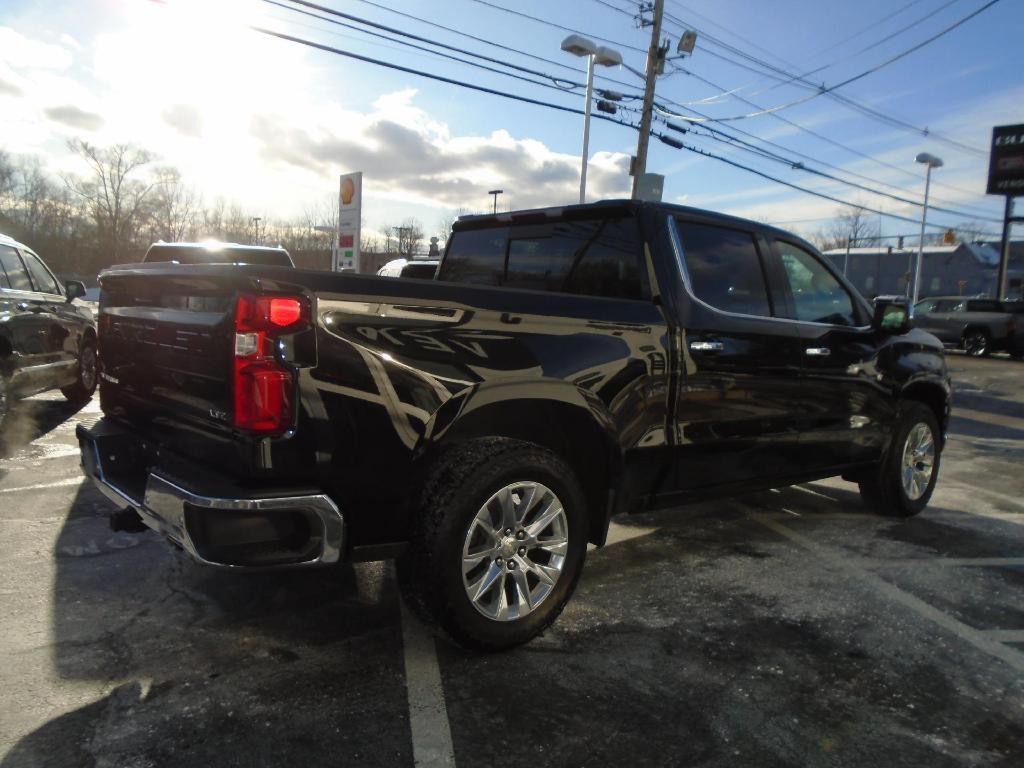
<point x="883" y="489"/>
<point x="456" y="488"/>
<point x="86" y="375"/>
<point x="976" y="342"/>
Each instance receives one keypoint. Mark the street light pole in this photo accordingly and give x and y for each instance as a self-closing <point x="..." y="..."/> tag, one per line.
<point x="586" y="128"/>
<point x="606" y="57"/>
<point x="930" y="161"/>
<point x="495" y="193"/>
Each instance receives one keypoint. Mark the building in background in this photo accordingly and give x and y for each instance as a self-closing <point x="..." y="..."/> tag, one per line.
<point x="963" y="269"/>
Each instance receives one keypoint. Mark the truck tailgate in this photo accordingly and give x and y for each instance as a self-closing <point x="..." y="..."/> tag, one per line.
<point x="166" y="346"/>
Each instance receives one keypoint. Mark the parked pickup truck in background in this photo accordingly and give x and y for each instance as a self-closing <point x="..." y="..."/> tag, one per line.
<point x="976" y="325"/>
<point x="46" y="341"/>
<point x="566" y="365"/>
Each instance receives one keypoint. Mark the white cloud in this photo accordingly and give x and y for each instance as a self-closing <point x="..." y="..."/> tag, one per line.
<point x="22" y="52"/>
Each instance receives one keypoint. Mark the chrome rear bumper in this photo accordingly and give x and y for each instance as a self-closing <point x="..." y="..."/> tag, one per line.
<point x="174" y="511"/>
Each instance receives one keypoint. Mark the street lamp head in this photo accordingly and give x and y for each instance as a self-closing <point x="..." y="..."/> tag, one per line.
<point x="687" y="42"/>
<point x="578" y="45"/>
<point x="607" y="57"/>
<point x="930" y="160"/>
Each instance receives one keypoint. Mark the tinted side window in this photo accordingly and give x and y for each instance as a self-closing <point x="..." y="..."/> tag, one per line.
<point x="817" y="296"/>
<point x="475" y="256"/>
<point x="609" y="264"/>
<point x="724" y="268"/>
<point x="924" y="307"/>
<point x="41" y="277"/>
<point x="595" y="258"/>
<point x="14" y="271"/>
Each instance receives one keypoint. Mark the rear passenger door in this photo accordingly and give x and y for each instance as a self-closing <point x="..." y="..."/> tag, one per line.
<point x="25" y="325"/>
<point x="845" y="408"/>
<point x="738" y="403"/>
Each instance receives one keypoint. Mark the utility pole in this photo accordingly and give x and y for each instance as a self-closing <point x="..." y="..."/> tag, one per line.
<point x="654" y="58"/>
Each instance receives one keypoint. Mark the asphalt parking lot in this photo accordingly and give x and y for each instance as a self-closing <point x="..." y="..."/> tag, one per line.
<point x="788" y="628"/>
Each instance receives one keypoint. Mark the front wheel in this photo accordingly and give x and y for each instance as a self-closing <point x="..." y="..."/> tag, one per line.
<point x="905" y="478"/>
<point x="976" y="342"/>
<point x="498" y="544"/>
<point x="85" y="375"/>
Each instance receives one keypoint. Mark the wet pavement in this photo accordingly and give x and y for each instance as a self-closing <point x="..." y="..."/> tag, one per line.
<point x="791" y="627"/>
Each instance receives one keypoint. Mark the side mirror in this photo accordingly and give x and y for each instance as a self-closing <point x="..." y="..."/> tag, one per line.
<point x="75" y="289"/>
<point x="892" y="314"/>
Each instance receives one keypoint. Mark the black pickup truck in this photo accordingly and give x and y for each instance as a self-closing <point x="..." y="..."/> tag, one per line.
<point x="566" y="365"/>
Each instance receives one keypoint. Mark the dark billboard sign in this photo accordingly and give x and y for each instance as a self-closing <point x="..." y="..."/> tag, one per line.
<point x="1006" y="163"/>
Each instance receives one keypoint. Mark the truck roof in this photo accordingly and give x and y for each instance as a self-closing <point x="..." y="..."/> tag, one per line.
<point x="473" y="221"/>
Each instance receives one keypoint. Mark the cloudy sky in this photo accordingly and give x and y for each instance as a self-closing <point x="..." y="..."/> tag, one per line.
<point x="269" y="124"/>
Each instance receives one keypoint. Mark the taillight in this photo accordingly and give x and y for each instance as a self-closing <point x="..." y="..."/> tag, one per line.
<point x="264" y="388"/>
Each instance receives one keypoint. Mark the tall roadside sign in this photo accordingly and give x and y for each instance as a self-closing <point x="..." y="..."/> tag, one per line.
<point x="1006" y="177"/>
<point x="350" y="205"/>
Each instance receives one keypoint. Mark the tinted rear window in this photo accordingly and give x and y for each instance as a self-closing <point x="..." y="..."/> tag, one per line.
<point x="200" y="255"/>
<point x="423" y="271"/>
<point x="594" y="257"/>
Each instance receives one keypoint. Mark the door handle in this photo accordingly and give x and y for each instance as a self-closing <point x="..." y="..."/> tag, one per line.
<point x="818" y="351"/>
<point x="23" y="306"/>
<point x="706" y="346"/>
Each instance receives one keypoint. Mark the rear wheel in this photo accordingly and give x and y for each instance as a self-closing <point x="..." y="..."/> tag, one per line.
<point x="498" y="544"/>
<point x="976" y="342"/>
<point x="904" y="480"/>
<point x="85" y="376"/>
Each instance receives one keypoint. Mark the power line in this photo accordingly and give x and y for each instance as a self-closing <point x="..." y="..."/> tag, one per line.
<point x="553" y="84"/>
<point x="791" y="185"/>
<point x="817" y="135"/>
<point x="563" y="108"/>
<point x="789" y="77"/>
<point x="497" y="45"/>
<point x="434" y="76"/>
<point x="549" y="23"/>
<point x="728" y="139"/>
<point x="707" y="118"/>
<point x="722" y="136"/>
<point x="867" y="48"/>
<point x="411" y="36"/>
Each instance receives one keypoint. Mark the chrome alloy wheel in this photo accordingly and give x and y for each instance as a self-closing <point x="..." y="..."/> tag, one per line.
<point x="514" y="551"/>
<point x="918" y="461"/>
<point x="87" y="368"/>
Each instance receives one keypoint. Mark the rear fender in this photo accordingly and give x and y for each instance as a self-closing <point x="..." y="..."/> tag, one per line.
<point x="554" y="414"/>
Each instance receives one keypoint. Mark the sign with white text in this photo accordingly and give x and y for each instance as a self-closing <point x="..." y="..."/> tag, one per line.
<point x="1006" y="163"/>
<point x="350" y="205"/>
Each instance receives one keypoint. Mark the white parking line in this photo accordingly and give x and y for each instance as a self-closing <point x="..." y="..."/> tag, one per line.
<point x="1005" y="635"/>
<point x="979" y="639"/>
<point x="43" y="486"/>
<point x="428" y="714"/>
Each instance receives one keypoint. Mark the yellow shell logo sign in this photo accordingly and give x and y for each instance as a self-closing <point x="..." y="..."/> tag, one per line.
<point x="348" y="191"/>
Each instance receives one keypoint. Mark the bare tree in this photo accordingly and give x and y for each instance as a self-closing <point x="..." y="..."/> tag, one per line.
<point x="173" y="206"/>
<point x="408" y="237"/>
<point x="974" y="231"/>
<point x="444" y="224"/>
<point x="115" y="200"/>
<point x="854" y="227"/>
